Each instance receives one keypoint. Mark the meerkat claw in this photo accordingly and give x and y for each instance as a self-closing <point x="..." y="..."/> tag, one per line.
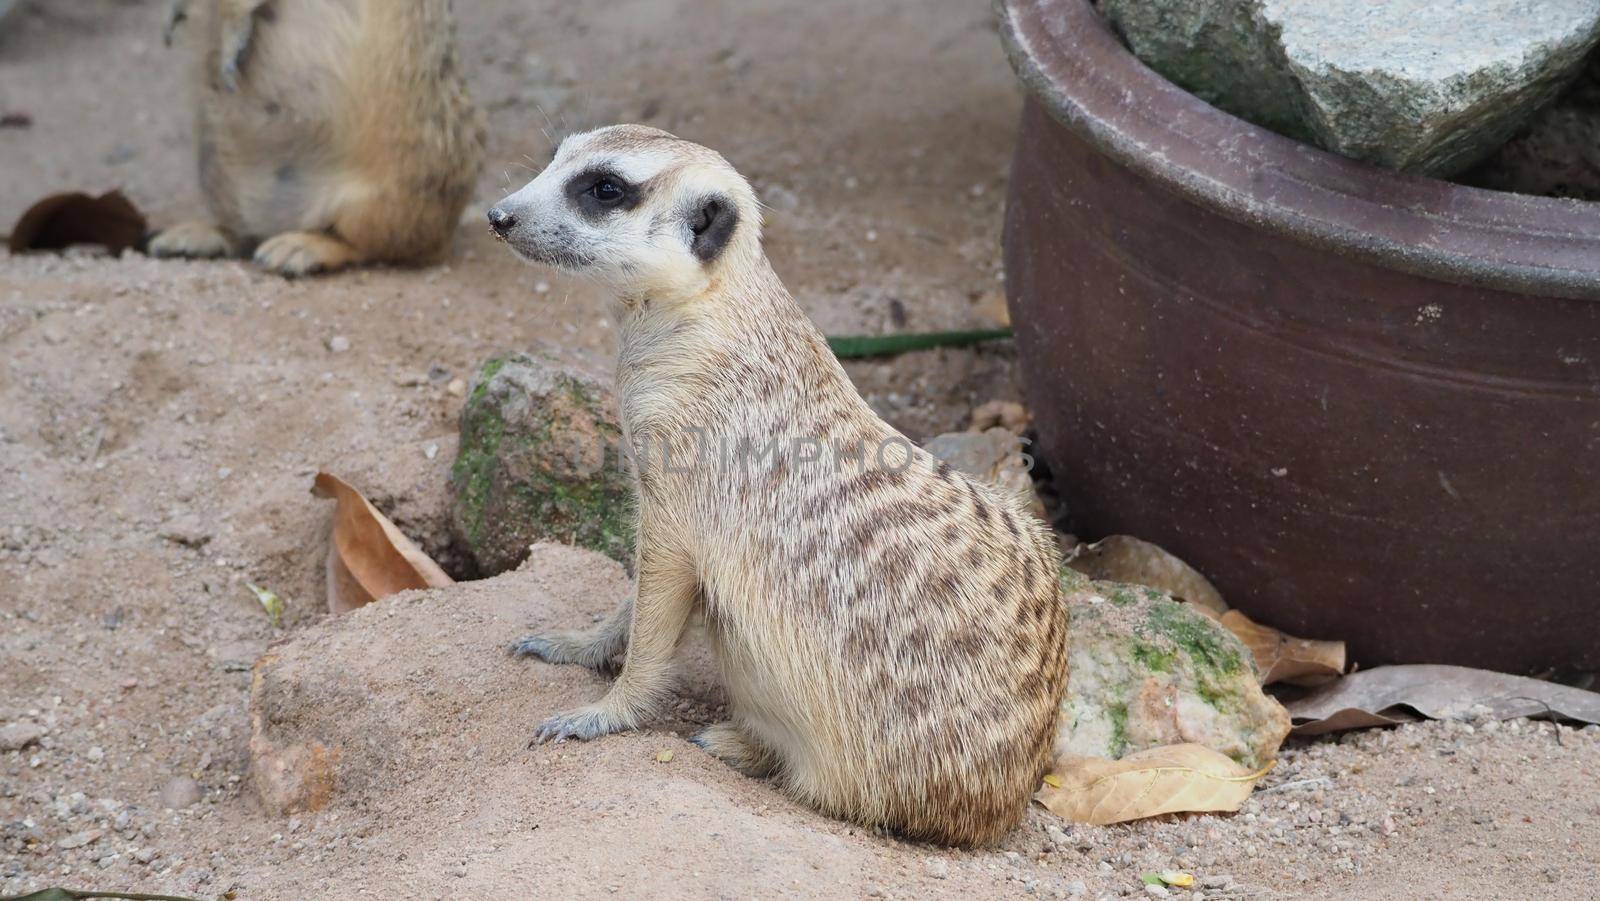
<point x="531" y="646"/>
<point x="582" y="724"/>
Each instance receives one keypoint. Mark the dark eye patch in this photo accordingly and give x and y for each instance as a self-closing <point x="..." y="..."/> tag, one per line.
<point x="598" y="192"/>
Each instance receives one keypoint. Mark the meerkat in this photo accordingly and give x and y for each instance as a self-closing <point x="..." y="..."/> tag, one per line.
<point x="890" y="633"/>
<point x="331" y="133"/>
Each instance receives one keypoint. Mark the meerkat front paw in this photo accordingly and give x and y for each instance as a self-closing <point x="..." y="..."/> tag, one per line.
<point x="582" y="724"/>
<point x="293" y="254"/>
<point x="195" y="239"/>
<point x="600" y="654"/>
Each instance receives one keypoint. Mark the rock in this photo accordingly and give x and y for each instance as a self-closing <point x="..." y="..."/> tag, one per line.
<point x="1007" y="414"/>
<point x="540" y="459"/>
<point x="237" y="656"/>
<point x="185" y="531"/>
<point x="352" y="704"/>
<point x="16" y="736"/>
<point x="994" y="456"/>
<point x="338" y="344"/>
<point x="1149" y="671"/>
<point x="180" y="792"/>
<point x="1215" y="49"/>
<point x="1123" y="558"/>
<point x="938" y="868"/>
<point x="1558" y="153"/>
<point x="79" y="839"/>
<point x="1425" y="86"/>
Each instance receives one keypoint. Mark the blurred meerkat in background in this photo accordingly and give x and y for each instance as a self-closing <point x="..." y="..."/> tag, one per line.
<point x="330" y="132"/>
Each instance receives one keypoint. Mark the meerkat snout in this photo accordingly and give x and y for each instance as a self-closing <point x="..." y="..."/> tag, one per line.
<point x="646" y="212"/>
<point x="501" y="221"/>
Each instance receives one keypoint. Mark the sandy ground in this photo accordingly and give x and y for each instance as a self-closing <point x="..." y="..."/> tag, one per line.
<point x="160" y="424"/>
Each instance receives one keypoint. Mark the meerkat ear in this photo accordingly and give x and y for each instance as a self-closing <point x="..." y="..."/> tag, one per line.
<point x="712" y="223"/>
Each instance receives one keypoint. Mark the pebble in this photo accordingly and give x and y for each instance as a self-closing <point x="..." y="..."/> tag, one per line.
<point x="96" y="754"/>
<point x="180" y="792"/>
<point x="1075" y="889"/>
<point x="79" y="839"/>
<point x="457" y="387"/>
<point x="938" y="868"/>
<point x="16" y="736"/>
<point x="338" y="344"/>
<point x="1156" y="891"/>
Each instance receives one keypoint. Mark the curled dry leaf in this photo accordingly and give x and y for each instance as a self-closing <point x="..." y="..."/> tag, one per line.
<point x="368" y="558"/>
<point x="1281" y="658"/>
<point x="1389" y="695"/>
<point x="1123" y="558"/>
<point x="1169" y="779"/>
<point x="62" y="220"/>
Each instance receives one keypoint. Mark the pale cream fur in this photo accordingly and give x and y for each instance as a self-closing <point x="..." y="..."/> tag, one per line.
<point x="331" y="133"/>
<point x="891" y="636"/>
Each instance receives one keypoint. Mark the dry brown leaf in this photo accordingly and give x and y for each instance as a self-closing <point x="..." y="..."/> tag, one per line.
<point x="62" y="220"/>
<point x="368" y="558"/>
<point x="1282" y="658"/>
<point x="1169" y="779"/>
<point x="1123" y="558"/>
<point x="1389" y="695"/>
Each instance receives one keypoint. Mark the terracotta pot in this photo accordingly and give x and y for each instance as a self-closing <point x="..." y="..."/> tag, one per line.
<point x="1367" y="405"/>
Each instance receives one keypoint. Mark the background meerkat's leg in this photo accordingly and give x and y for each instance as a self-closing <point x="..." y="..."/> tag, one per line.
<point x="196" y="238"/>
<point x="302" y="253"/>
<point x="667" y="593"/>
<point x="596" y="648"/>
<point x="237" y="21"/>
<point x="735" y="747"/>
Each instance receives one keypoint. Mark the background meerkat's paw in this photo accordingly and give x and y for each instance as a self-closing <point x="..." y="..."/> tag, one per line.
<point x="294" y="254"/>
<point x="583" y="724"/>
<point x="733" y="746"/>
<point x="599" y="653"/>
<point x="195" y="239"/>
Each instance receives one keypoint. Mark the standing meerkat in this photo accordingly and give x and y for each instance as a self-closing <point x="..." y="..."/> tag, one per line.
<point x="331" y="133"/>
<point x="890" y="633"/>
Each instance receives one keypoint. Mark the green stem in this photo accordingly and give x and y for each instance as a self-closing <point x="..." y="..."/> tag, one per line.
<point x="848" y="347"/>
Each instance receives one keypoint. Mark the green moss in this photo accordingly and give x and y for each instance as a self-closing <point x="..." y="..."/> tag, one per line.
<point x="1071" y="580"/>
<point x="1201" y="639"/>
<point x="481" y="383"/>
<point x="1119" y="729"/>
<point x="1153" y="658"/>
<point x="1123" y="596"/>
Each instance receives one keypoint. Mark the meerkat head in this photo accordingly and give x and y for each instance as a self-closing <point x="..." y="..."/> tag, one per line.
<point x="645" y="212"/>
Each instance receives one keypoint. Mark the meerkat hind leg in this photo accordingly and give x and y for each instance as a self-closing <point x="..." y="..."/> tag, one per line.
<point x="196" y="239"/>
<point x="597" y="648"/>
<point x="294" y="254"/>
<point x="735" y="747"/>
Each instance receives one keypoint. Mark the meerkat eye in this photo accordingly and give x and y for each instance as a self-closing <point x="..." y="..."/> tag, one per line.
<point x="607" y="190"/>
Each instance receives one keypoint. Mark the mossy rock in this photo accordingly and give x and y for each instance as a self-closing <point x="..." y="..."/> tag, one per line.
<point x="540" y="460"/>
<point x="1148" y="671"/>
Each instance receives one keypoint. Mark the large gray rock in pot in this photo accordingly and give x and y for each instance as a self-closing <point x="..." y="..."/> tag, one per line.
<point x="1426" y="86"/>
<point x="540" y="460"/>
<point x="1558" y="153"/>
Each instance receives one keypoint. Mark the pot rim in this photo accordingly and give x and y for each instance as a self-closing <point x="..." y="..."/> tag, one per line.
<point x="1071" y="62"/>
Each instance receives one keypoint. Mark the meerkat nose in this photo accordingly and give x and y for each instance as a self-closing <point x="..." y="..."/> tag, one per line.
<point x="501" y="220"/>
